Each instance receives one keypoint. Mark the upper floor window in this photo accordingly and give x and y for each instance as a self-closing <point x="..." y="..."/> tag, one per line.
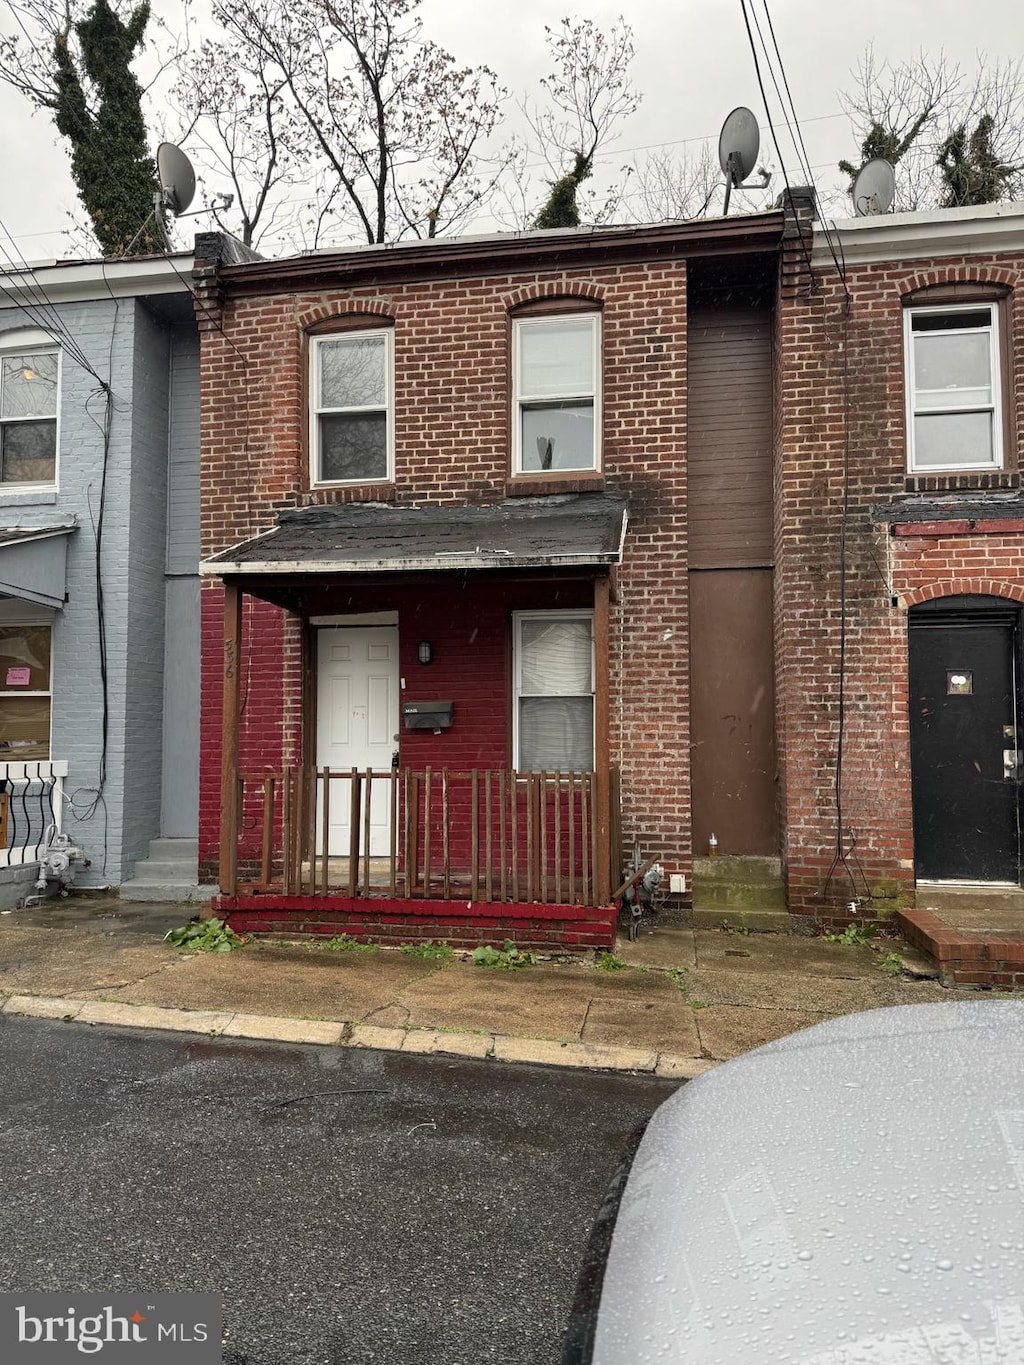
<point x="954" y="418"/>
<point x="29" y="387"/>
<point x="352" y="437"/>
<point x="556" y="393"/>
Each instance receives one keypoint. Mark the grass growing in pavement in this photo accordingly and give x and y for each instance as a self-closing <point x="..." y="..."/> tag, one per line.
<point x="429" y="951"/>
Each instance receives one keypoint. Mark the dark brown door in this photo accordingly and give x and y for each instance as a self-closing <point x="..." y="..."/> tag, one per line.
<point x="732" y="733"/>
<point x="964" y="740"/>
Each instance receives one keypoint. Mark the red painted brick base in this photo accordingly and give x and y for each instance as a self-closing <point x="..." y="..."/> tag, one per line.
<point x="965" y="959"/>
<point x="570" y="928"/>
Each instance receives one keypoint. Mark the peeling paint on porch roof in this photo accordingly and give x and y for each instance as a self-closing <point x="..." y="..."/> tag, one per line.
<point x="563" y="531"/>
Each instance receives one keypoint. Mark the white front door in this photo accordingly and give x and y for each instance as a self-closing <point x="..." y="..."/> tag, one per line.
<point x="357" y="721"/>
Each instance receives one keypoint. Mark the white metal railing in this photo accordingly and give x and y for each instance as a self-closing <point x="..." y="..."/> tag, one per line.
<point x="31" y="801"/>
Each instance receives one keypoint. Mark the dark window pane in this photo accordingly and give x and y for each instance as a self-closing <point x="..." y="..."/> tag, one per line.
<point x="353" y="446"/>
<point x="28" y="451"/>
<point x="948" y="322"/>
<point x="24" y="728"/>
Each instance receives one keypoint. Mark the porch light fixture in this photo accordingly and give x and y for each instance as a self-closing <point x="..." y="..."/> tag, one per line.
<point x="425" y="652"/>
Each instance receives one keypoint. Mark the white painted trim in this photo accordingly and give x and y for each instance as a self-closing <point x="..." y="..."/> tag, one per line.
<point x="518" y="617"/>
<point x="37" y="341"/>
<point x="315" y="481"/>
<point x="75" y="281"/>
<point x="900" y="237"/>
<point x="996" y="462"/>
<point x="435" y="564"/>
<point x="538" y="323"/>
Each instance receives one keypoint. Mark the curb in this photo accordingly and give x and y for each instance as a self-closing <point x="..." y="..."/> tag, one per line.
<point x="329" y="1033"/>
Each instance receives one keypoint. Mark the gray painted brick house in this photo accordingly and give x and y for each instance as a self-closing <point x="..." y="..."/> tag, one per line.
<point x="99" y="536"/>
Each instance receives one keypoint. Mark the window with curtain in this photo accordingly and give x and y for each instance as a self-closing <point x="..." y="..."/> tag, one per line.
<point x="554" y="672"/>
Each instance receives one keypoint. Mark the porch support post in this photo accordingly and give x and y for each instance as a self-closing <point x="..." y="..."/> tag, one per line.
<point x="229" y="739"/>
<point x="602" y="742"/>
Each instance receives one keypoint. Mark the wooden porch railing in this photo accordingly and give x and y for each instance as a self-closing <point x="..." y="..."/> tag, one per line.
<point x="477" y="835"/>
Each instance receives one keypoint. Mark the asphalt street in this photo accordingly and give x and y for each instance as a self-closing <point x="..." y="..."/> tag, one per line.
<point x="349" y="1205"/>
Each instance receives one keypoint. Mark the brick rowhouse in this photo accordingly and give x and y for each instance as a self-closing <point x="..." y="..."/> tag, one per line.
<point x="450" y="306"/>
<point x="841" y="436"/>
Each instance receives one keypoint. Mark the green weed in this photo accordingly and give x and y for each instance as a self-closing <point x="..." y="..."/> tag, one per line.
<point x="608" y="962"/>
<point x="510" y="958"/>
<point x="853" y="936"/>
<point x="891" y="964"/>
<point x="204" y="936"/>
<point x="429" y="951"/>
<point x="345" y="943"/>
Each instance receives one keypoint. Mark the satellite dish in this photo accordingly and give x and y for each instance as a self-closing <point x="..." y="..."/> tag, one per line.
<point x="177" y="178"/>
<point x="738" y="145"/>
<point x="874" y="189"/>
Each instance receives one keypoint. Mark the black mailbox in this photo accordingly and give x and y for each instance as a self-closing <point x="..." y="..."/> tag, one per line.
<point x="427" y="715"/>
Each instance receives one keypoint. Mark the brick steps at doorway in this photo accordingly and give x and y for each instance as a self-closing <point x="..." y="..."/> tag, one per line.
<point x="992" y="957"/>
<point x="170" y="873"/>
<point x="981" y="905"/>
<point x="738" y="884"/>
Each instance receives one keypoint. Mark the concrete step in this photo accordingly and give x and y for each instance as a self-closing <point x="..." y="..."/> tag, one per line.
<point x="168" y="869"/>
<point x="173" y="850"/>
<point x="170" y="873"/>
<point x="754" y="921"/>
<point x="140" y="889"/>
<point x="750" y="885"/>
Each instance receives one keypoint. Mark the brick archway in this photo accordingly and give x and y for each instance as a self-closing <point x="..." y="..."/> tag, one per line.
<point x="961" y="587"/>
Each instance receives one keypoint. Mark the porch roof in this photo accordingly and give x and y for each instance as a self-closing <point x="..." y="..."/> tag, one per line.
<point x="33" y="563"/>
<point x="571" y="530"/>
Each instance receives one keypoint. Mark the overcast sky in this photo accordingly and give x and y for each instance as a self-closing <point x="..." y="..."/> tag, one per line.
<point x="692" y="64"/>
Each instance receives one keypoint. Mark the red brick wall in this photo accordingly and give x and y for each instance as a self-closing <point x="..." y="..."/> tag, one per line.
<point x="452" y="382"/>
<point x="840" y="405"/>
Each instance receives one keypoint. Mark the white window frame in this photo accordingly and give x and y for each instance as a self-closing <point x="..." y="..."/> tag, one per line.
<point x="34" y="341"/>
<point x="915" y="466"/>
<point x="521" y="327"/>
<point x="316" y="410"/>
<point x="518" y="618"/>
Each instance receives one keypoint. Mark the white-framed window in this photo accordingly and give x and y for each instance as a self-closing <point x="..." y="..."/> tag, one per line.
<point x="25" y="691"/>
<point x="553" y="665"/>
<point x="29" y="402"/>
<point x="954" y="414"/>
<point x="556" y="405"/>
<point x="351" y="388"/>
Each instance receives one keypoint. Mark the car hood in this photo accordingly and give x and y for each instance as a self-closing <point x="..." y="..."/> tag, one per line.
<point x="849" y="1195"/>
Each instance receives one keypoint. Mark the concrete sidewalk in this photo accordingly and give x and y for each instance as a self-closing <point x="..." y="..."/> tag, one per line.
<point x="673" y="1003"/>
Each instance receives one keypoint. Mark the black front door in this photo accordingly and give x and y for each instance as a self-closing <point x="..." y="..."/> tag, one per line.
<point x="964" y="739"/>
